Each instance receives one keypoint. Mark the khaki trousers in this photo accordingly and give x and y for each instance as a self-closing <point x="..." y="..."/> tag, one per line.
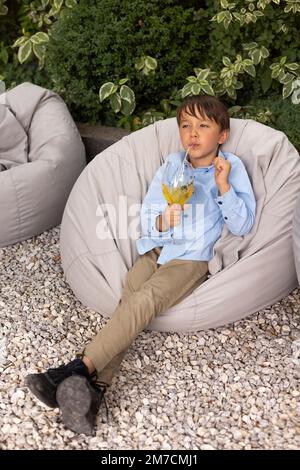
<point x="149" y="290"/>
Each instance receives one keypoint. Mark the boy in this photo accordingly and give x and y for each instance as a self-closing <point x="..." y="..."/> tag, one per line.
<point x="165" y="272"/>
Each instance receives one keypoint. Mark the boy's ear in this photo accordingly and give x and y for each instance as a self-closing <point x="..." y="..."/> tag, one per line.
<point x="223" y="136"/>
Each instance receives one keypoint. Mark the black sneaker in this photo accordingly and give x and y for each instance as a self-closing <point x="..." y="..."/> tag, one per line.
<point x="44" y="386"/>
<point x="79" y="401"/>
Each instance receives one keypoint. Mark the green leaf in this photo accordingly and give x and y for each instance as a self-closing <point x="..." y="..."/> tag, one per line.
<point x="71" y="3"/>
<point x="283" y="60"/>
<point x="264" y="52"/>
<point x="249" y="17"/>
<point x="140" y="64"/>
<point x="115" y="102"/>
<point x="39" y="51"/>
<point x="186" y="90"/>
<point x="127" y="94"/>
<point x="231" y="5"/>
<point x="250" y="45"/>
<point x="196" y="88"/>
<point x="192" y="79"/>
<point x="276" y="72"/>
<point x="3" y="10"/>
<point x="20" y="41"/>
<point x="231" y="92"/>
<point x="227" y="21"/>
<point x="203" y="74"/>
<point x="293" y="66"/>
<point x="296" y="92"/>
<point x="281" y="74"/>
<point x="148" y="118"/>
<point x="287" y="90"/>
<point x="238" y="16"/>
<point x="25" y="51"/>
<point x="234" y="109"/>
<point x="266" y="80"/>
<point x="221" y="16"/>
<point x="4" y="55"/>
<point x="165" y="106"/>
<point x="237" y="67"/>
<point x="224" y="3"/>
<point x="127" y="108"/>
<point x="226" y="61"/>
<point x="219" y="89"/>
<point x="58" y="4"/>
<point x="150" y="63"/>
<point x="39" y="38"/>
<point x="207" y="89"/>
<point x="123" y="80"/>
<point x="250" y="69"/>
<point x="256" y="56"/>
<point x="287" y="78"/>
<point x="106" y="90"/>
<point x="238" y="85"/>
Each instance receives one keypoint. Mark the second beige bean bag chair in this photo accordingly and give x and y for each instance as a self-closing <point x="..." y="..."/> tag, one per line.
<point x="41" y="156"/>
<point x="247" y="273"/>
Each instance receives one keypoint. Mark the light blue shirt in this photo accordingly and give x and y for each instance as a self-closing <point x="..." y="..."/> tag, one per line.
<point x="203" y="222"/>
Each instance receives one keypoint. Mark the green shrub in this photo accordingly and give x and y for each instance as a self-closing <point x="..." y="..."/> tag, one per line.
<point x="101" y="40"/>
<point x="245" y="51"/>
<point x="286" y="117"/>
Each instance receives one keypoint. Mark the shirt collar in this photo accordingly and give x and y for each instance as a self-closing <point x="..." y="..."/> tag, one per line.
<point x="209" y="167"/>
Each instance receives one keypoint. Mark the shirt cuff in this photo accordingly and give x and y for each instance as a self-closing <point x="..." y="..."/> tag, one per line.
<point x="152" y="230"/>
<point x="227" y="202"/>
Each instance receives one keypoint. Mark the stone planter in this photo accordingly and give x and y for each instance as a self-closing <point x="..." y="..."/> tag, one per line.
<point x="96" y="138"/>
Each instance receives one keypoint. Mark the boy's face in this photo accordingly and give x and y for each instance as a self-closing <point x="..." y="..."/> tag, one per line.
<point x="202" y="136"/>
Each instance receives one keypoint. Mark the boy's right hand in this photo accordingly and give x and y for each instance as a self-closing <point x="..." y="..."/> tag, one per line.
<point x="171" y="216"/>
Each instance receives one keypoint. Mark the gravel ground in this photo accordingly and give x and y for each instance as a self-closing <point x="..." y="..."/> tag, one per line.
<point x="236" y="387"/>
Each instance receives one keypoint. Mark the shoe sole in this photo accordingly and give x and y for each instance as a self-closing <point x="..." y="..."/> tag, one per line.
<point x="74" y="400"/>
<point x="31" y="383"/>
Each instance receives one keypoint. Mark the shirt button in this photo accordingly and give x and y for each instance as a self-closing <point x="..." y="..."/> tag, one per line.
<point x="225" y="218"/>
<point x="220" y="202"/>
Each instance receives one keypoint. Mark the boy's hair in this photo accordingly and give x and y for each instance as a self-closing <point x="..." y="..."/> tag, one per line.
<point x="207" y="106"/>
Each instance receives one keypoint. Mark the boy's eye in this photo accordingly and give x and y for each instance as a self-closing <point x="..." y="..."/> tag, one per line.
<point x="203" y="125"/>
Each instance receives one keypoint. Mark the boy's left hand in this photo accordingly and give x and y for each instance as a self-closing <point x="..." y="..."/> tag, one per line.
<point x="222" y="170"/>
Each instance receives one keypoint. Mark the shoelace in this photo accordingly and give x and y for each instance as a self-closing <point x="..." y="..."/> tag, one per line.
<point x="58" y="373"/>
<point x="101" y="389"/>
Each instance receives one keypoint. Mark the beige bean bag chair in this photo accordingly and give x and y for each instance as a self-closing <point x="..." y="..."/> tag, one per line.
<point x="248" y="273"/>
<point x="41" y="156"/>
